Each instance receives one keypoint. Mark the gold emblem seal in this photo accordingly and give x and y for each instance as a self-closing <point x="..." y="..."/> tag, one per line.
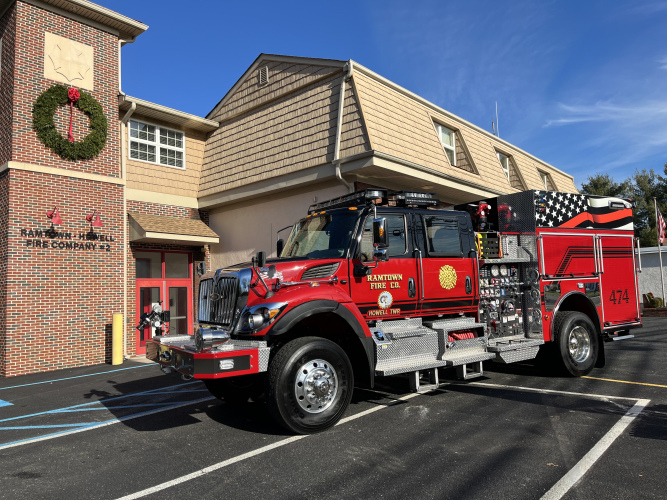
<point x="447" y="277"/>
<point x="384" y="300"/>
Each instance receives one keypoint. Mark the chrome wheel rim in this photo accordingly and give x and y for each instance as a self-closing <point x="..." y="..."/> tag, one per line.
<point x="579" y="344"/>
<point x="316" y="386"/>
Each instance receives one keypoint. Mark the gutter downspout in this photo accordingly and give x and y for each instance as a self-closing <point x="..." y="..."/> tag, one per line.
<point x="339" y="126"/>
<point x="123" y="174"/>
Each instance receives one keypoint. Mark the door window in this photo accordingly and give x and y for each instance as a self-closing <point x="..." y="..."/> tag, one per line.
<point x="396" y="229"/>
<point x="442" y="236"/>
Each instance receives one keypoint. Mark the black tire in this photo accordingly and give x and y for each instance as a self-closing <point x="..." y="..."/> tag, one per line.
<point x="237" y="390"/>
<point x="576" y="343"/>
<point x="316" y="364"/>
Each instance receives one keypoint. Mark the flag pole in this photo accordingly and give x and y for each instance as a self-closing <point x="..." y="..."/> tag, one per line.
<point x="662" y="277"/>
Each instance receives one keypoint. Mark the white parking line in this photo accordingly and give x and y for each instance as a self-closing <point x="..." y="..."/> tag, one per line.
<point x="563" y="485"/>
<point x="250" y="454"/>
<point x="577" y="472"/>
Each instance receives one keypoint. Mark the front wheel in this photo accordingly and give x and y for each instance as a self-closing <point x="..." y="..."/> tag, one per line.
<point x="577" y="342"/>
<point x="309" y="385"/>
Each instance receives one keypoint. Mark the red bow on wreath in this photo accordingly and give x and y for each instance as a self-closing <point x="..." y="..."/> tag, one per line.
<point x="73" y="96"/>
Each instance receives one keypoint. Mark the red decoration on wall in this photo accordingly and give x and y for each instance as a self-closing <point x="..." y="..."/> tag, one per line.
<point x="54" y="215"/>
<point x="73" y="96"/>
<point x="94" y="219"/>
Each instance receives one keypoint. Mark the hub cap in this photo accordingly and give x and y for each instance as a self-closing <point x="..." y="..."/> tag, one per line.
<point x="579" y="344"/>
<point x="316" y="386"/>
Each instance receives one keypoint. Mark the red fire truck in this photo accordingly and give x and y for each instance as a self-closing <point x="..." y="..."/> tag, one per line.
<point x="377" y="284"/>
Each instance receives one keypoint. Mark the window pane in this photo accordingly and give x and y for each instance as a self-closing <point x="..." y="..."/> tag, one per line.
<point x="443" y="236"/>
<point x="142" y="151"/>
<point x="396" y="237"/>
<point x="148" y="297"/>
<point x="171" y="157"/>
<point x="178" y="310"/>
<point x="142" y="131"/>
<point x="148" y="264"/>
<point x="176" y="265"/>
<point x="171" y="138"/>
<point x="447" y="136"/>
<point x="450" y="155"/>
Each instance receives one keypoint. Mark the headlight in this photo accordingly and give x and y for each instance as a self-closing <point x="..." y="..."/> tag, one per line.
<point x="261" y="316"/>
<point x="255" y="321"/>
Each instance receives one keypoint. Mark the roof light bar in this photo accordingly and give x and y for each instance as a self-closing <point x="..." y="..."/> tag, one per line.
<point x="415" y="198"/>
<point x="365" y="197"/>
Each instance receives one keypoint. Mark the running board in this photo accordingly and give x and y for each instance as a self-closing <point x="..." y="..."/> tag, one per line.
<point x="513" y="350"/>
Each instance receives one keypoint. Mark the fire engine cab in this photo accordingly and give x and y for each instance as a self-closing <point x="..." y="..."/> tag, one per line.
<point x="377" y="284"/>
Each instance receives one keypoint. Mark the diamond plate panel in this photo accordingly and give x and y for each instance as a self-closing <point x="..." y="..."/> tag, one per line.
<point x="517" y="355"/>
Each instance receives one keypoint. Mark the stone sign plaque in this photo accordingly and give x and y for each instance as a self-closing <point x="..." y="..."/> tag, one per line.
<point x="68" y="61"/>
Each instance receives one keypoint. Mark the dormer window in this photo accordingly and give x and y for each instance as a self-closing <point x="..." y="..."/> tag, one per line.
<point x="156" y="144"/>
<point x="448" y="140"/>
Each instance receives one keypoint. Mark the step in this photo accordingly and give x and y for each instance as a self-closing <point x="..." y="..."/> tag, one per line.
<point x="466" y="357"/>
<point x="507" y="344"/>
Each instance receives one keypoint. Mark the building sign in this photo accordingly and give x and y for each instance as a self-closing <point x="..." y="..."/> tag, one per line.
<point x="90" y="241"/>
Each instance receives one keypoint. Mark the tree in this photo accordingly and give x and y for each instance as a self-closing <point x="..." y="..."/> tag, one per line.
<point x="604" y="185"/>
<point x="647" y="185"/>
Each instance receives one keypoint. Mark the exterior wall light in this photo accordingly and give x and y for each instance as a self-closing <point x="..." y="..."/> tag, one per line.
<point x="54" y="216"/>
<point x="94" y="219"/>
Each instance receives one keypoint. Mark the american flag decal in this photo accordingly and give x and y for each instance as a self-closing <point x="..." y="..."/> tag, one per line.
<point x="569" y="210"/>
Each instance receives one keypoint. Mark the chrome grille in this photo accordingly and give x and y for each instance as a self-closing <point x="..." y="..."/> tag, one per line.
<point x="323" y="271"/>
<point x="217" y="302"/>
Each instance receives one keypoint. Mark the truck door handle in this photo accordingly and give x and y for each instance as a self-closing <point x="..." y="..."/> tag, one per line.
<point x="468" y="285"/>
<point x="412" y="289"/>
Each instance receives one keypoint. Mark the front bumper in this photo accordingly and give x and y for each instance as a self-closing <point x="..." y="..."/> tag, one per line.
<point x="231" y="359"/>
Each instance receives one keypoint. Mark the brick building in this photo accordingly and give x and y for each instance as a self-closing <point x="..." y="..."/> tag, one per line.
<point x="173" y="190"/>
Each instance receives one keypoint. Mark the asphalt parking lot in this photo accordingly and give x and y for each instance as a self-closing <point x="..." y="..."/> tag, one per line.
<point x="131" y="432"/>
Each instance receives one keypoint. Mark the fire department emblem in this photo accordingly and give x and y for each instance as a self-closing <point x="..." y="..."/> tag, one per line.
<point x="447" y="277"/>
<point x="384" y="300"/>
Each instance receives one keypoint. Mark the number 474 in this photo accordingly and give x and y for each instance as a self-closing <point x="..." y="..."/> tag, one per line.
<point x="618" y="295"/>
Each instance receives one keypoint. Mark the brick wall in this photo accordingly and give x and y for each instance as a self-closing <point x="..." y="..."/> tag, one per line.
<point x="197" y="257"/>
<point x="61" y="291"/>
<point x="4" y="201"/>
<point x="31" y="24"/>
<point x="7" y="34"/>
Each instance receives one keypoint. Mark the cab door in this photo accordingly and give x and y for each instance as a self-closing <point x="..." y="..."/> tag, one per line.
<point x="390" y="291"/>
<point x="449" y="284"/>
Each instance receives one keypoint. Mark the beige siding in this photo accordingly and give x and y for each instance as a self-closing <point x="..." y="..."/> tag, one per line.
<point x="283" y="78"/>
<point x="231" y="223"/>
<point x="462" y="158"/>
<point x="354" y="138"/>
<point x="294" y="132"/>
<point x="169" y="180"/>
<point x="402" y="126"/>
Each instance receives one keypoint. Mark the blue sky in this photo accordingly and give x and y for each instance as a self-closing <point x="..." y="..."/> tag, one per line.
<point x="580" y="84"/>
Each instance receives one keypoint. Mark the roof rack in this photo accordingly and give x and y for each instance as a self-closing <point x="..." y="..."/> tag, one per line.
<point x="364" y="197"/>
<point x="415" y="199"/>
<point x="371" y="196"/>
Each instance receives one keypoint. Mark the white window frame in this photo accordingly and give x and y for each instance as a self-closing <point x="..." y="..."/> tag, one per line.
<point x="505" y="166"/>
<point x="544" y="176"/>
<point x="439" y="128"/>
<point x="155" y="144"/>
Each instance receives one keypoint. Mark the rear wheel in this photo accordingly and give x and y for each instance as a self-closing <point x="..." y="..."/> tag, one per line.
<point x="237" y="390"/>
<point x="577" y="343"/>
<point x="309" y="385"/>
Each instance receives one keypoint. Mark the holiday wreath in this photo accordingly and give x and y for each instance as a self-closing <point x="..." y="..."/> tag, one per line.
<point x="42" y="121"/>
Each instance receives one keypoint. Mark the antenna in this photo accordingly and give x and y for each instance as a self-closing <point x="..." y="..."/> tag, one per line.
<point x="497" y="123"/>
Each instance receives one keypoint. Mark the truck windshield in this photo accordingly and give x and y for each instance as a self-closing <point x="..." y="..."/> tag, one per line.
<point x="326" y="236"/>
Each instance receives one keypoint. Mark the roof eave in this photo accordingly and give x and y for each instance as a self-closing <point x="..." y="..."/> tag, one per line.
<point x="159" y="112"/>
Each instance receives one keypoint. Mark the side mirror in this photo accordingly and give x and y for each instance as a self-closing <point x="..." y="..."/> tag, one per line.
<point x="280" y="244"/>
<point x="380" y="255"/>
<point x="380" y="237"/>
<point x="201" y="268"/>
<point x="261" y="259"/>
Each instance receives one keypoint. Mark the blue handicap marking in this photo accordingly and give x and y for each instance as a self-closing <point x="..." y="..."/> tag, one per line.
<point x="5" y="403"/>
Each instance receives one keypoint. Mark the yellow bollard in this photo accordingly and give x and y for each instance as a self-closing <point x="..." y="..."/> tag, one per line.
<point x="117" y="340"/>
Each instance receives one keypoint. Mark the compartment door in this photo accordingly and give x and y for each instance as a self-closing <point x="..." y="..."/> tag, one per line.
<point x="567" y="255"/>
<point x="618" y="286"/>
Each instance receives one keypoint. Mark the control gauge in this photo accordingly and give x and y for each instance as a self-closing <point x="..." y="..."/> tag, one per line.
<point x="503" y="270"/>
<point x="495" y="271"/>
